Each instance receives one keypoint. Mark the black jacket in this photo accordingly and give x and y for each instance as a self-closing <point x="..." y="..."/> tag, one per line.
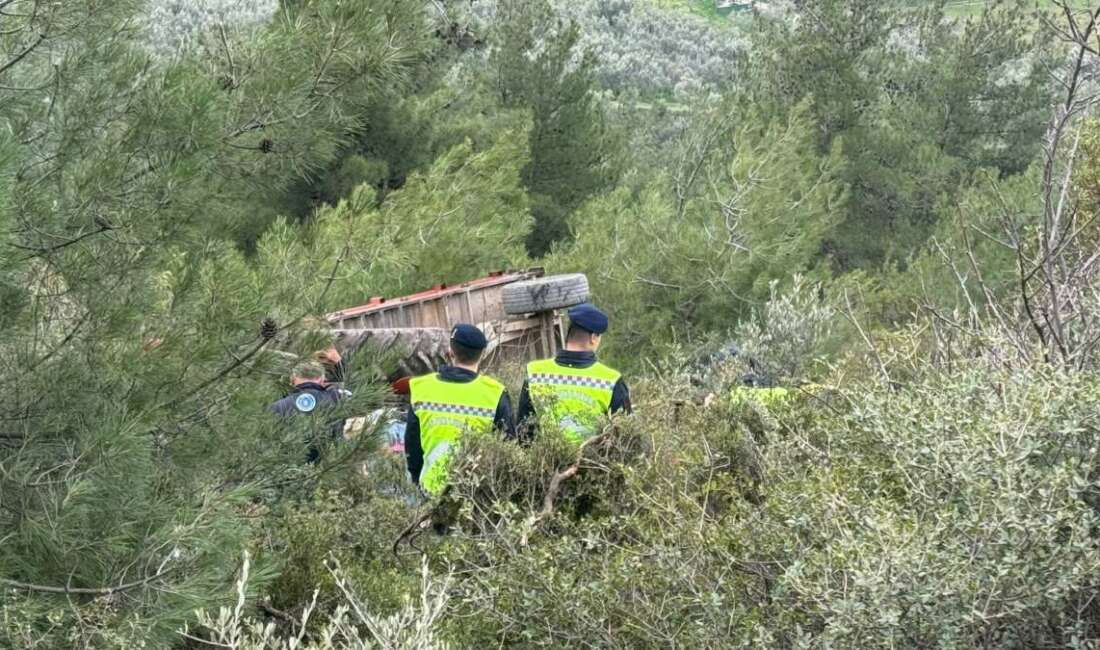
<point x="525" y="417"/>
<point x="414" y="452"/>
<point x="310" y="399"/>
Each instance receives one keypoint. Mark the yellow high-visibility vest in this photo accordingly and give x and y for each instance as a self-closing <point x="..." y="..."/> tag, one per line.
<point x="770" y="397"/>
<point x="576" y="400"/>
<point x="447" y="410"/>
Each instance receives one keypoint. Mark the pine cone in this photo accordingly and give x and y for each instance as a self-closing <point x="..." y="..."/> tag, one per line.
<point x="268" y="329"/>
<point x="266" y="145"/>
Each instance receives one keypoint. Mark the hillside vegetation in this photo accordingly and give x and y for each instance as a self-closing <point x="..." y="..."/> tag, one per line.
<point x="892" y="210"/>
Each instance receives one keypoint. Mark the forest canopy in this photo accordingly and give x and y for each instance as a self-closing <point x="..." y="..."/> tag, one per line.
<point x="890" y="208"/>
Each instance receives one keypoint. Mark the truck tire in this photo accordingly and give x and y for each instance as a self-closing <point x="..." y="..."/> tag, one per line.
<point x="544" y="294"/>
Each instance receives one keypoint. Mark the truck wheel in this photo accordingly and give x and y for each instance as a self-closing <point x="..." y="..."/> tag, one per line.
<point x="544" y="294"/>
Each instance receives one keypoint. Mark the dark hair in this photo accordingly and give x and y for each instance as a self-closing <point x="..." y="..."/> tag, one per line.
<point x="464" y="353"/>
<point x="577" y="334"/>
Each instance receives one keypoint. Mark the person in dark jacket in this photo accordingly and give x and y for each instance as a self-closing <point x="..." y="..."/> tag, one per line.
<point x="312" y="397"/>
<point x="574" y="390"/>
<point x="444" y="405"/>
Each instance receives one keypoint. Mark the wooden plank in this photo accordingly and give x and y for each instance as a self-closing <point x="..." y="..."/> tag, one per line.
<point x="483" y="305"/>
<point x="492" y="303"/>
<point x="546" y="342"/>
<point x="439" y="311"/>
<point x="559" y="330"/>
<point x="519" y="328"/>
<point x="453" y="306"/>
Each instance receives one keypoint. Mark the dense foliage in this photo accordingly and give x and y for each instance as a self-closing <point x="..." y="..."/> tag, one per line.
<point x="890" y="209"/>
<point x="915" y="101"/>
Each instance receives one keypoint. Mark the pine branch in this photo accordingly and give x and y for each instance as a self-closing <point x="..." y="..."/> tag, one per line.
<point x="42" y="250"/>
<point x="86" y="591"/>
<point x="19" y="57"/>
<point x="65" y="341"/>
<point x="237" y="362"/>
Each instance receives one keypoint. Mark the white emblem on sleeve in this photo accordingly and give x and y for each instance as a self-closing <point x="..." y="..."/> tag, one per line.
<point x="305" y="402"/>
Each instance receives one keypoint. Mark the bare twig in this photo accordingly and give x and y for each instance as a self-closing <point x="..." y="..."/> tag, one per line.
<point x="233" y="82"/>
<point x="683" y="186"/>
<point x="849" y="315"/>
<point x="270" y="610"/>
<point x="85" y="591"/>
<point x="658" y="283"/>
<point x="196" y="639"/>
<point x="408" y="531"/>
<point x="42" y="250"/>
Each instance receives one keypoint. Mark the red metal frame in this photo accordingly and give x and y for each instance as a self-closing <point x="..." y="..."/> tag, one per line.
<point x="378" y="303"/>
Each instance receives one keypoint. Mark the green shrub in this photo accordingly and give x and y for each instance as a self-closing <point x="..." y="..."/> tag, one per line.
<point x="953" y="511"/>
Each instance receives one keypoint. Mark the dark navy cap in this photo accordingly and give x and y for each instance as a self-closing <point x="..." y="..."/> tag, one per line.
<point x="588" y="318"/>
<point x="468" y="336"/>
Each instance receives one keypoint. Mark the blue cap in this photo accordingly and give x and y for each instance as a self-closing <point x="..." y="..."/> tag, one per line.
<point x="468" y="336"/>
<point x="588" y="318"/>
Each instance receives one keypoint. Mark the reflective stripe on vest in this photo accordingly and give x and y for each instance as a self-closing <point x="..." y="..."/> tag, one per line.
<point x="446" y="411"/>
<point x="440" y="407"/>
<point x="566" y="380"/>
<point x="573" y="399"/>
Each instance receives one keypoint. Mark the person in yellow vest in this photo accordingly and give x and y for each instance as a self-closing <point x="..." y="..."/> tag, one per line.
<point x="756" y="386"/>
<point x="446" y="405"/>
<point x="573" y="391"/>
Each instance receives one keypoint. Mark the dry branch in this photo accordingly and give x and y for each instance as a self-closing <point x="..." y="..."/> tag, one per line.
<point x="407" y="532"/>
<point x="559" y="478"/>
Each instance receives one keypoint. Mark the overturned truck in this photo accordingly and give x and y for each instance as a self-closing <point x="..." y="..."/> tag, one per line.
<point x="517" y="310"/>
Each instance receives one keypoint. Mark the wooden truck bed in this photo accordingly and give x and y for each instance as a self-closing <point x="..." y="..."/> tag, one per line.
<point x="419" y="323"/>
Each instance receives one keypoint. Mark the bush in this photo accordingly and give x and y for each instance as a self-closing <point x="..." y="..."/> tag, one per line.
<point x="954" y="511"/>
<point x="353" y="626"/>
<point x="950" y="513"/>
<point x="793" y="332"/>
<point x="304" y="538"/>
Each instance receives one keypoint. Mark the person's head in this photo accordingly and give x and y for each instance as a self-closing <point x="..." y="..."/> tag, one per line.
<point x="586" y="327"/>
<point x="581" y="340"/>
<point x="332" y="362"/>
<point x="467" y="345"/>
<point x="328" y="356"/>
<point x="307" y="372"/>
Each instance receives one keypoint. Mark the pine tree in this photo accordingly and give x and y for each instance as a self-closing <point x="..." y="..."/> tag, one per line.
<point x="133" y="366"/>
<point x="466" y="215"/>
<point x="917" y="101"/>
<point x="695" y="254"/>
<point x="537" y="65"/>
